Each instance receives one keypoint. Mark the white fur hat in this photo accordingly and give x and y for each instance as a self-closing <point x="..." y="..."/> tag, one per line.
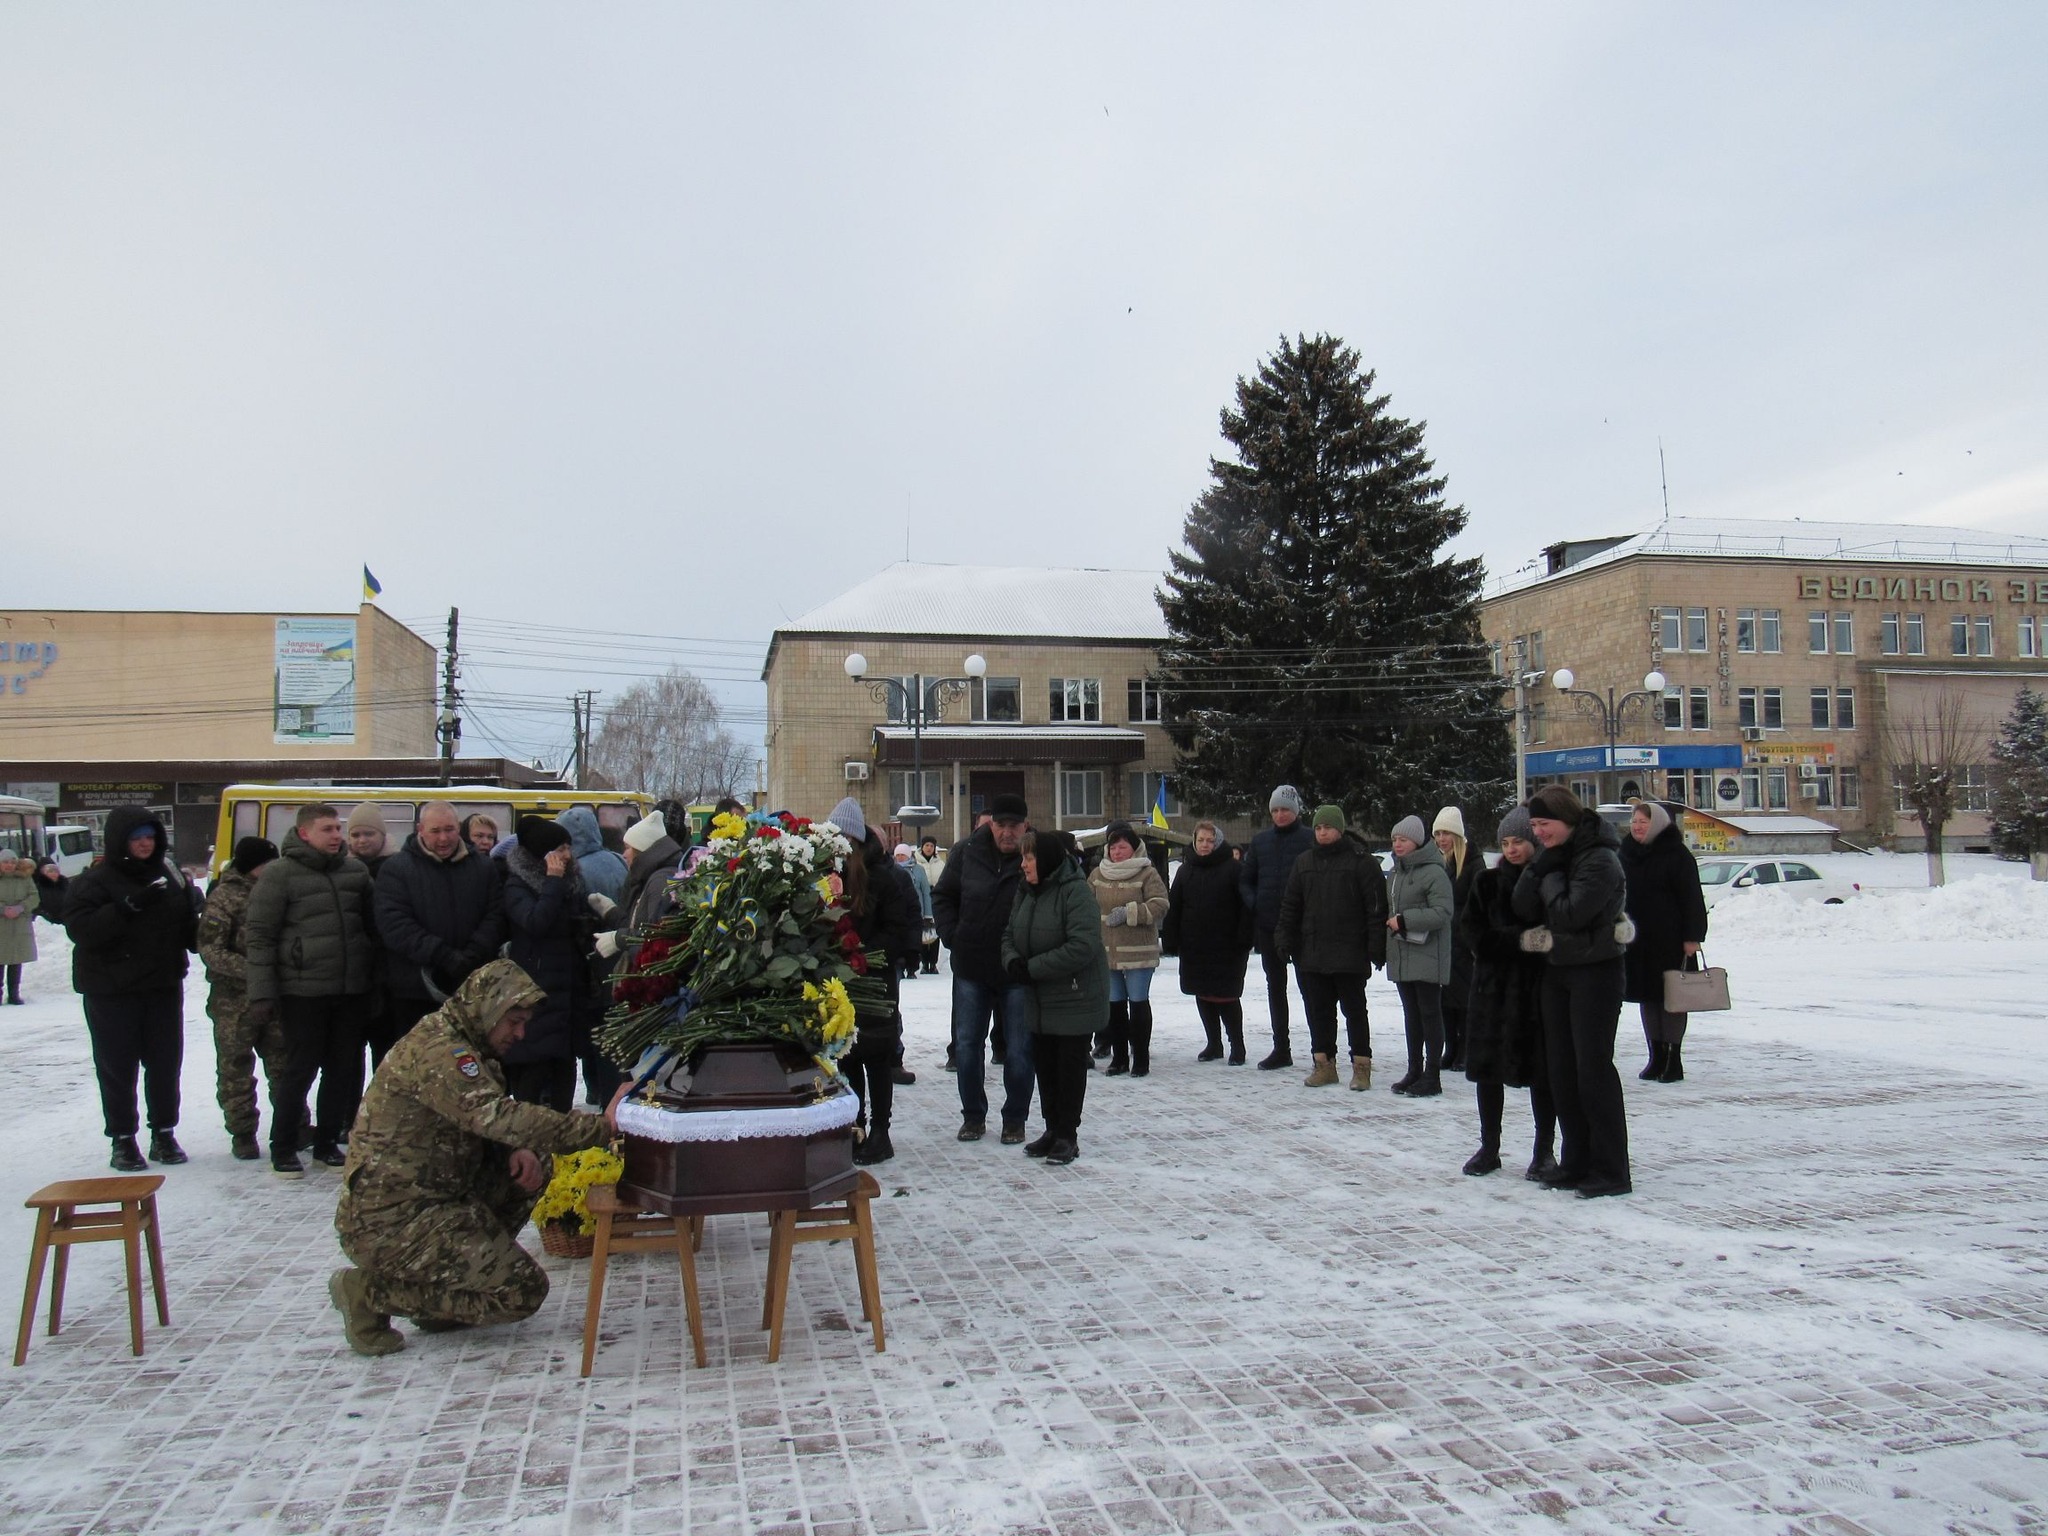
<point x="646" y="832"/>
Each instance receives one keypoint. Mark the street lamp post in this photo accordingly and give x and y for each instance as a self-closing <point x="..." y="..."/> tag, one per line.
<point x="922" y="700"/>
<point x="1608" y="711"/>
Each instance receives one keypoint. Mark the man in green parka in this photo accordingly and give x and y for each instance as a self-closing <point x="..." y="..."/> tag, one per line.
<point x="444" y="1169"/>
<point x="1054" y="944"/>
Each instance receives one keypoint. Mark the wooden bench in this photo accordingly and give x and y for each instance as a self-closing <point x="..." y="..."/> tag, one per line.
<point x="94" y="1211"/>
<point x="625" y="1228"/>
<point x="848" y="1218"/>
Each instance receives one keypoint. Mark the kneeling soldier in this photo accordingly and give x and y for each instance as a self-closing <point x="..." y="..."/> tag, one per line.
<point x="443" y="1170"/>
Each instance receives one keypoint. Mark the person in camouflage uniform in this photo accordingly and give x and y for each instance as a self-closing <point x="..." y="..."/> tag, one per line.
<point x="237" y="1038"/>
<point x="430" y="1198"/>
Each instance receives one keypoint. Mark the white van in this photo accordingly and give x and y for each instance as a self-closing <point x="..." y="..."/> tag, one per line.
<point x="71" y="847"/>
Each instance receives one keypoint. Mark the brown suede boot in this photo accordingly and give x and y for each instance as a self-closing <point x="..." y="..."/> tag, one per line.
<point x="1361" y="1074"/>
<point x="1324" y="1073"/>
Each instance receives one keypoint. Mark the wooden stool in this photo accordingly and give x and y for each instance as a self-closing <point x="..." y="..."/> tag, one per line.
<point x="824" y="1224"/>
<point x="60" y="1223"/>
<point x="625" y="1228"/>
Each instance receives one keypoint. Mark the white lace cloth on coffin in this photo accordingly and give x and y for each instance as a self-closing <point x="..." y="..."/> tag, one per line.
<point x="658" y="1124"/>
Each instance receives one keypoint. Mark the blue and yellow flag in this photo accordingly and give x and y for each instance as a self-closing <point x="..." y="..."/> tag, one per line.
<point x="1159" y="804"/>
<point x="371" y="585"/>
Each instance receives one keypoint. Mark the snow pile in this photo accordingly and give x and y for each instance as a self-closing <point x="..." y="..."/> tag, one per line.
<point x="1980" y="908"/>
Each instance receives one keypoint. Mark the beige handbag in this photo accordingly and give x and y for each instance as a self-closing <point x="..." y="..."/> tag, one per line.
<point x="1699" y="990"/>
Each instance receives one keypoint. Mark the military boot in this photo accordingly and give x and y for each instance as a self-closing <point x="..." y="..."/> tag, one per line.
<point x="1361" y="1074"/>
<point x="369" y="1333"/>
<point x="1323" y="1074"/>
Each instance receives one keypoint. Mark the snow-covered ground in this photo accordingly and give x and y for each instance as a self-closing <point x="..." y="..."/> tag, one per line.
<point x="1248" y="1307"/>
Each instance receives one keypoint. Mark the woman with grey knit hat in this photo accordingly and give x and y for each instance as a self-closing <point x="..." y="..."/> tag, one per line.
<point x="1421" y="909"/>
<point x="1504" y="1016"/>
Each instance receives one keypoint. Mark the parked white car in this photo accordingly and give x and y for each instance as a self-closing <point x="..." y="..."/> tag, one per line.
<point x="1720" y="877"/>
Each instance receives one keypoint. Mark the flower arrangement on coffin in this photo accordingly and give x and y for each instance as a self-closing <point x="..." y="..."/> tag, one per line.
<point x="757" y="950"/>
<point x="563" y="1211"/>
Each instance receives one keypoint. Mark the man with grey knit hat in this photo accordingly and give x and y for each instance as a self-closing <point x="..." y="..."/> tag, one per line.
<point x="1262" y="883"/>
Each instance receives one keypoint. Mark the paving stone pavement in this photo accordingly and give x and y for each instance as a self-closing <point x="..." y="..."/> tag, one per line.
<point x="1249" y="1307"/>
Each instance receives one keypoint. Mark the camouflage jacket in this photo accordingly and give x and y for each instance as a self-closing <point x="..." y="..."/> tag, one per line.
<point x="435" y="1127"/>
<point x="220" y="928"/>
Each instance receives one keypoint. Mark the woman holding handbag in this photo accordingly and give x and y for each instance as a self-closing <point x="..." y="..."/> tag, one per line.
<point x="1670" y="914"/>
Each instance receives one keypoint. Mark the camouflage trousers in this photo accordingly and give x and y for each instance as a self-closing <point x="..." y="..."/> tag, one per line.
<point x="449" y="1263"/>
<point x="237" y="1041"/>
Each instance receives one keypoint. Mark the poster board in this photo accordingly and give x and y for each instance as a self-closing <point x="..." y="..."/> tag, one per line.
<point x="314" y="682"/>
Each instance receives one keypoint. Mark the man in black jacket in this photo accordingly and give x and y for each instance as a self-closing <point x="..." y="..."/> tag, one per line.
<point x="440" y="916"/>
<point x="1262" y="882"/>
<point x="132" y="926"/>
<point x="970" y="908"/>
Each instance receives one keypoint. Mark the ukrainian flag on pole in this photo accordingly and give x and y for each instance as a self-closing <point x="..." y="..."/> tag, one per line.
<point x="1159" y="804"/>
<point x="371" y="585"/>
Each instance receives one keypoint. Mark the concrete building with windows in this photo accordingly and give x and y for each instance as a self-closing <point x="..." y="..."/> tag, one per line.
<point x="976" y="681"/>
<point x="103" y="708"/>
<point x="1787" y="658"/>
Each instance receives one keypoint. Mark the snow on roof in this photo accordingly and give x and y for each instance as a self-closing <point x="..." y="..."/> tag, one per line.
<point x="1012" y="733"/>
<point x="1765" y="826"/>
<point x="1793" y="539"/>
<point x="997" y="601"/>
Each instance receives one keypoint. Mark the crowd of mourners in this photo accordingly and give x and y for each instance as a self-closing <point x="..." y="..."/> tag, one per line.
<point x="322" y="954"/>
<point x="466" y="973"/>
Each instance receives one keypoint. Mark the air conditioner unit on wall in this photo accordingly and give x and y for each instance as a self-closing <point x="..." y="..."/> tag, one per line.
<point x="856" y="772"/>
<point x="1809" y="789"/>
<point x="1809" y="770"/>
<point x="1752" y="733"/>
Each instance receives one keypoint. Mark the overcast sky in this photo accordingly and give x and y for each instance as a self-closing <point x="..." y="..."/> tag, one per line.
<point x="679" y="320"/>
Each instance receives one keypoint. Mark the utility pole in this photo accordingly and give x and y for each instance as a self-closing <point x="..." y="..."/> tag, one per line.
<point x="449" y="726"/>
<point x="584" y="704"/>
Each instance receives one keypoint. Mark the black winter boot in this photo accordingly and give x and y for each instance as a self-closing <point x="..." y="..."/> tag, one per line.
<point x="1233" y="1026"/>
<point x="127" y="1156"/>
<point x="1655" y="1070"/>
<point x="1141" y="1039"/>
<point x="1119" y="1040"/>
<point x="1674" y="1066"/>
<point x="164" y="1148"/>
<point x="1212" y="1029"/>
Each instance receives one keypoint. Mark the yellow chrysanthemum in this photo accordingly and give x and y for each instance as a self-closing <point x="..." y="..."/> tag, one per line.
<point x="729" y="826"/>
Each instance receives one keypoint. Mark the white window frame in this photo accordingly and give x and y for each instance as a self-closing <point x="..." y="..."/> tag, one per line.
<point x="1079" y="700"/>
<point x="1088" y="783"/>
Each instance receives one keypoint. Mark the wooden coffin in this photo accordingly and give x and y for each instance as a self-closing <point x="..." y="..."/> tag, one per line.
<point x="755" y="1173"/>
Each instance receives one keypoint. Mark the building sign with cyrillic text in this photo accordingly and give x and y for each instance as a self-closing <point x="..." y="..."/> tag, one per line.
<point x="1873" y="587"/>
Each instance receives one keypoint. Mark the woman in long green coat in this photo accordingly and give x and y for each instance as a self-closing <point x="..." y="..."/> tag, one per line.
<point x="18" y="899"/>
<point x="1054" y="943"/>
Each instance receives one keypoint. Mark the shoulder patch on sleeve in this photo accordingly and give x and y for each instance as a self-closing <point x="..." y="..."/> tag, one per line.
<point x="466" y="1062"/>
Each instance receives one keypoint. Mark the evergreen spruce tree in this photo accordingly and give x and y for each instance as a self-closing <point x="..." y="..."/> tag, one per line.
<point x="1317" y="635"/>
<point x="2019" y="781"/>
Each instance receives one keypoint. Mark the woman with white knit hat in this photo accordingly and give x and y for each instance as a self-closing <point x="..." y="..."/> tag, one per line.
<point x="1448" y="831"/>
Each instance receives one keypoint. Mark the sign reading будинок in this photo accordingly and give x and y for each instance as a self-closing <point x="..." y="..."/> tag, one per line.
<point x="1876" y="588"/>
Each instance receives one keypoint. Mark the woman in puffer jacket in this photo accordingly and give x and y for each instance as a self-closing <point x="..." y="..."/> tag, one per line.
<point x="1052" y="944"/>
<point x="1420" y="908"/>
<point x="1575" y="889"/>
<point x="1133" y="901"/>
<point x="1504" y="1010"/>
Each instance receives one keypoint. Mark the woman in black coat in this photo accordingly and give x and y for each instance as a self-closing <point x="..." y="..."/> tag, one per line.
<point x="1504" y="1010"/>
<point x="132" y="927"/>
<point x="547" y="912"/>
<point x="1670" y="914"/>
<point x="1574" y="889"/>
<point x="1210" y="928"/>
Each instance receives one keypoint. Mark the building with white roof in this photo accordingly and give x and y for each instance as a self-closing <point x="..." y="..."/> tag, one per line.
<point x="1791" y="657"/>
<point x="974" y="681"/>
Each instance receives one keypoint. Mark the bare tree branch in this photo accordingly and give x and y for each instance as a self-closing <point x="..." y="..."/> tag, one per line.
<point x="1927" y="754"/>
<point x="666" y="736"/>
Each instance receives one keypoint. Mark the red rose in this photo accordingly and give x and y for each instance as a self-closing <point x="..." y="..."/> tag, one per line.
<point x="731" y="865"/>
<point x="858" y="961"/>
